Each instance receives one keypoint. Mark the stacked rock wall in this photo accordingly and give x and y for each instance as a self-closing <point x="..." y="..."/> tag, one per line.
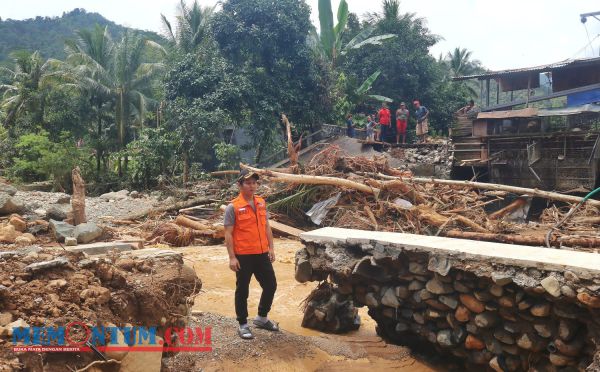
<point x="489" y="315"/>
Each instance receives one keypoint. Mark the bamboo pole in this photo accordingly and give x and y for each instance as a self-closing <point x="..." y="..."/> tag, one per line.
<point x="313" y="180"/>
<point x="498" y="187"/>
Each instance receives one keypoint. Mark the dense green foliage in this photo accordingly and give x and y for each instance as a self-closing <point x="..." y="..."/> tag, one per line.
<point x="48" y="34"/>
<point x="133" y="108"/>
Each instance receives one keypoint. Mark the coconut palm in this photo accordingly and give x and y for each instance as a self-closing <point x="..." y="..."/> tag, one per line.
<point x="459" y="61"/>
<point x="191" y="28"/>
<point x="25" y="90"/>
<point x="118" y="75"/>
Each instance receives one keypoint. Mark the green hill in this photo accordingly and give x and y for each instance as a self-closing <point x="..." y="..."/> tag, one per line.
<point x="48" y="34"/>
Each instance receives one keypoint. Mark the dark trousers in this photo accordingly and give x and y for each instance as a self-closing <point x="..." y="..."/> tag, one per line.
<point x="261" y="267"/>
<point x="385" y="132"/>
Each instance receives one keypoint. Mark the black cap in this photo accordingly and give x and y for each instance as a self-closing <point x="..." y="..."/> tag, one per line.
<point x="246" y="174"/>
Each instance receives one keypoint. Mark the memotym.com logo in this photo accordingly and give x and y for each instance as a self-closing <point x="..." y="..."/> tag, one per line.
<point x="78" y="337"/>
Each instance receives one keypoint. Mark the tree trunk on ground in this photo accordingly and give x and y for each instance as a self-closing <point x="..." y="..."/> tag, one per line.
<point x="78" y="200"/>
<point x="499" y="214"/>
<point x="588" y="242"/>
<point x="313" y="180"/>
<point x="498" y="187"/>
<point x="172" y="207"/>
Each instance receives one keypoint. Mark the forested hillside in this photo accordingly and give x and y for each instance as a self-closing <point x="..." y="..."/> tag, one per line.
<point x="47" y="35"/>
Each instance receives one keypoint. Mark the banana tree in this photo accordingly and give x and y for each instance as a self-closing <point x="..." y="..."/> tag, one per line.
<point x="361" y="91"/>
<point x="329" y="42"/>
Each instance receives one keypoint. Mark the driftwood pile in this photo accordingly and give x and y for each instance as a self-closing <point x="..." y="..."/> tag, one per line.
<point x="375" y="196"/>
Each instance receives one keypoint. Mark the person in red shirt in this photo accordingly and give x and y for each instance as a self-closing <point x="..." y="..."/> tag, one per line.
<point x="385" y="120"/>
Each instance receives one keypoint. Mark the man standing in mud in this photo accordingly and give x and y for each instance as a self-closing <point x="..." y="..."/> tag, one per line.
<point x="249" y="242"/>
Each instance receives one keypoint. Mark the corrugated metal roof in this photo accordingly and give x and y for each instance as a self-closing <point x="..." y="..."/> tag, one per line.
<point x="569" y="63"/>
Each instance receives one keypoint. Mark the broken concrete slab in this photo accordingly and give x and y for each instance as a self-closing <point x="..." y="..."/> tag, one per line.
<point x="584" y="264"/>
<point x="101" y="248"/>
<point x="61" y="230"/>
<point x="155" y="253"/>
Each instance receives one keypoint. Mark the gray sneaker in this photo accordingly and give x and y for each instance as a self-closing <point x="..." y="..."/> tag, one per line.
<point x="245" y="333"/>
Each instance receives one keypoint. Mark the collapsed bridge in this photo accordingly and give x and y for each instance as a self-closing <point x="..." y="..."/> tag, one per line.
<point x="489" y="305"/>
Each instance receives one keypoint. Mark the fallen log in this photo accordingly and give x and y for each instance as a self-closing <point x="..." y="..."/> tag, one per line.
<point x="372" y="217"/>
<point x="498" y="187"/>
<point x="171" y="207"/>
<point x="587" y="220"/>
<point x="518" y="203"/>
<point x="313" y="180"/>
<point x="216" y="232"/>
<point x="285" y="229"/>
<point x="399" y="187"/>
<point x="426" y="214"/>
<point x="581" y="241"/>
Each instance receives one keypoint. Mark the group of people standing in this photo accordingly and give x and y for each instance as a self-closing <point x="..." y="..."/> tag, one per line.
<point x="381" y="130"/>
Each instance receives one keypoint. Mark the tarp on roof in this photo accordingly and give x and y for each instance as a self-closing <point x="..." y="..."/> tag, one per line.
<point x="524" y="113"/>
<point x="569" y="110"/>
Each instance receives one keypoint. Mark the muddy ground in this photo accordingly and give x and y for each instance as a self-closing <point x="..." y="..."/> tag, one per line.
<point x="294" y="349"/>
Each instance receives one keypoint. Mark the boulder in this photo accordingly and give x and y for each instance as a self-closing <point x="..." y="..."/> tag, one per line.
<point x="118" y="195"/>
<point x="56" y="213"/>
<point x="8" y="234"/>
<point x="437" y="287"/>
<point x="18" y="222"/>
<point x="87" y="232"/>
<point x="472" y="303"/>
<point x="8" y="189"/>
<point x="473" y="343"/>
<point x="551" y="285"/>
<point x="8" y="205"/>
<point x="61" y="230"/>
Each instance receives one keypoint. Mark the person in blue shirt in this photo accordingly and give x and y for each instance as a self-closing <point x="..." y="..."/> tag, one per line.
<point x="422" y="115"/>
<point x="349" y="126"/>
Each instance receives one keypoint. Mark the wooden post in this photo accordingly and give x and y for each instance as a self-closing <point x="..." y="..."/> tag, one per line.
<point x="487" y="93"/>
<point x="528" y="89"/>
<point x="497" y="92"/>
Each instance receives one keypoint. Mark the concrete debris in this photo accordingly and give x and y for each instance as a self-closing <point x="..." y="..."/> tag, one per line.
<point x="61" y="230"/>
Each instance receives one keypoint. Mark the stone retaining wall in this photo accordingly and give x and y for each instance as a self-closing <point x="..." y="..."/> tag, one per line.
<point x="489" y="315"/>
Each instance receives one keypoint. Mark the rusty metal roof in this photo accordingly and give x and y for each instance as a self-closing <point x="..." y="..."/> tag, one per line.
<point x="569" y="63"/>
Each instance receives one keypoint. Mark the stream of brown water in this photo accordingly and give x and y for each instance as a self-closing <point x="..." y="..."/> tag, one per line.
<point x="218" y="287"/>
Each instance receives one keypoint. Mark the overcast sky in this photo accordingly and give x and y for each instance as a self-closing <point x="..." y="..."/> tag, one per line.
<point x="501" y="34"/>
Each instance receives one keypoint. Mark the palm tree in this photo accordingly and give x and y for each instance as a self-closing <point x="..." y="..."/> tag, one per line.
<point x="88" y="61"/>
<point x="191" y="26"/>
<point x="460" y="63"/>
<point x="24" y="93"/>
<point x="118" y="75"/>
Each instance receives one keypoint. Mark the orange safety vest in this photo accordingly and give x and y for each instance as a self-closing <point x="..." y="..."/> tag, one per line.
<point x="250" y="228"/>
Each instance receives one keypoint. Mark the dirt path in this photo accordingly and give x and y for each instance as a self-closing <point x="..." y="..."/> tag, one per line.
<point x="295" y="349"/>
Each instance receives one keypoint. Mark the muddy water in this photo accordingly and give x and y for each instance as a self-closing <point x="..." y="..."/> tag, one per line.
<point x="211" y="265"/>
